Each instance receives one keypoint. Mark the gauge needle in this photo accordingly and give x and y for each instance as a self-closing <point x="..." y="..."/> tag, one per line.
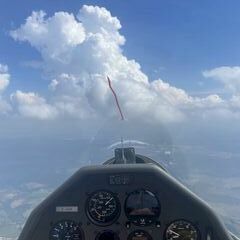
<point x="108" y="201"/>
<point x="176" y="234"/>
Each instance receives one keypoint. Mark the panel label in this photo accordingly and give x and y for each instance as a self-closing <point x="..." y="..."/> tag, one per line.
<point x="120" y="179"/>
<point x="67" y="209"/>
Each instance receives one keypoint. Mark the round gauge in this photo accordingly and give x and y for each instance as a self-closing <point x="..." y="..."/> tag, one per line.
<point x="181" y="230"/>
<point x="107" y="235"/>
<point x="103" y="208"/>
<point x="66" y="230"/>
<point x="139" y="235"/>
<point x="142" y="207"/>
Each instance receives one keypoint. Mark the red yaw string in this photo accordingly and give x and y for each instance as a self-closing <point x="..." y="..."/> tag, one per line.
<point x="116" y="99"/>
<point x="122" y="117"/>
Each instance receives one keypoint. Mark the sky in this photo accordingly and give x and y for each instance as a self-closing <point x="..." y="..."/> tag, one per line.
<point x="175" y="66"/>
<point x="186" y="53"/>
<point x="175" y="61"/>
<point x="172" y="39"/>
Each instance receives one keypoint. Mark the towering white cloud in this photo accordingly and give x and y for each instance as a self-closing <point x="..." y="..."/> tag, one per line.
<point x="53" y="37"/>
<point x="81" y="51"/>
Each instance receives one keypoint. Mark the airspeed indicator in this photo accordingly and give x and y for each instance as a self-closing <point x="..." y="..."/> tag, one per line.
<point x="103" y="208"/>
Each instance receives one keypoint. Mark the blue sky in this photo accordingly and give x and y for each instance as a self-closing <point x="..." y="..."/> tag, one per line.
<point x="173" y="39"/>
<point x="191" y="46"/>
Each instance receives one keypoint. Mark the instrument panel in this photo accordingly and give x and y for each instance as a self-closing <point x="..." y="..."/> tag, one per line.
<point x="123" y="203"/>
<point x="142" y="208"/>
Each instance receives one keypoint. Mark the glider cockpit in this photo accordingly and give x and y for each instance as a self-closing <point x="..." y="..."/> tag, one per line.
<point x="129" y="197"/>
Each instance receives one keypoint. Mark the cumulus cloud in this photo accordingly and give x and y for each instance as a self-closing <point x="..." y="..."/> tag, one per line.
<point x="54" y="36"/>
<point x="31" y="105"/>
<point x="17" y="203"/>
<point x="229" y="76"/>
<point x="5" y="107"/>
<point x="34" y="185"/>
<point x="79" y="52"/>
<point x="4" y="77"/>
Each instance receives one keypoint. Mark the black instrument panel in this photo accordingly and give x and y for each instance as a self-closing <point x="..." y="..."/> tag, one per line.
<point x="141" y="202"/>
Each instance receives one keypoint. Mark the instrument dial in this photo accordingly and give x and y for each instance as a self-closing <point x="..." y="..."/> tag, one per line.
<point x="142" y="207"/>
<point x="139" y="235"/>
<point x="103" y="208"/>
<point x="66" y="230"/>
<point x="107" y="235"/>
<point x="181" y="230"/>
